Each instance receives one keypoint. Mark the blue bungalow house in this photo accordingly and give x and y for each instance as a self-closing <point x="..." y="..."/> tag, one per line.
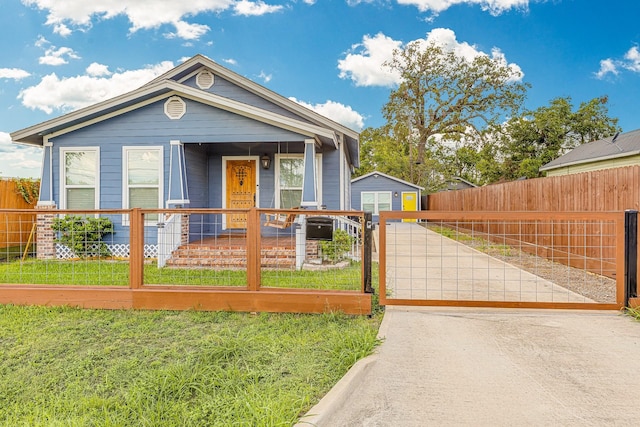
<point x="199" y="136"/>
<point x="376" y="191"/>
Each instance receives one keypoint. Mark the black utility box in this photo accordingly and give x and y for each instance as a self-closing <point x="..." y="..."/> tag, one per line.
<point x="319" y="228"/>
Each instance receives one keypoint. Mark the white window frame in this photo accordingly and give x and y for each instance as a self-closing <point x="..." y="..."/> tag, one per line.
<point x="63" y="178"/>
<point x="125" y="178"/>
<point x="376" y="209"/>
<point x="276" y="171"/>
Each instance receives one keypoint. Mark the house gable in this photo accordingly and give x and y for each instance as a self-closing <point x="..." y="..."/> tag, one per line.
<point x="225" y="88"/>
<point x="604" y="153"/>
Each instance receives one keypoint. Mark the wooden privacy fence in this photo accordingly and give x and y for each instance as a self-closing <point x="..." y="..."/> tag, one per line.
<point x="15" y="229"/>
<point x="609" y="190"/>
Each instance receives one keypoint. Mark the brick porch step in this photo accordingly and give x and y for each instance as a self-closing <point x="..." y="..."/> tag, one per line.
<point x="229" y="257"/>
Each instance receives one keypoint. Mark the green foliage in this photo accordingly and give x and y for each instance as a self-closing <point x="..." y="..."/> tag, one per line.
<point x="84" y="234"/>
<point x="29" y="189"/>
<point x="538" y="137"/>
<point x="335" y="250"/>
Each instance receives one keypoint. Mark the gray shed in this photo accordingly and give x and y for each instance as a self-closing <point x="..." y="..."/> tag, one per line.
<point x="376" y="192"/>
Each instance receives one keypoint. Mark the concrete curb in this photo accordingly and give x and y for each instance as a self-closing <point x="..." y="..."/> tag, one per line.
<point x="337" y="396"/>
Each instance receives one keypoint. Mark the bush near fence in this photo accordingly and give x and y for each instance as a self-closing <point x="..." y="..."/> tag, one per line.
<point x="15" y="228"/>
<point x="582" y="242"/>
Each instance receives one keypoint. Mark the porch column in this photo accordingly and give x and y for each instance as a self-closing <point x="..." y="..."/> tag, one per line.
<point x="178" y="190"/>
<point x="46" y="178"/>
<point x="310" y="180"/>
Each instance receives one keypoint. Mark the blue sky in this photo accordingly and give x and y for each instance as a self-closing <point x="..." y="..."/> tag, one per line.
<point x="60" y="55"/>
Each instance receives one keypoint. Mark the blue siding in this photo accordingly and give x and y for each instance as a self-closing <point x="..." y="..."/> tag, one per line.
<point x="229" y="90"/>
<point x="331" y="179"/>
<point x="379" y="184"/>
<point x="208" y="134"/>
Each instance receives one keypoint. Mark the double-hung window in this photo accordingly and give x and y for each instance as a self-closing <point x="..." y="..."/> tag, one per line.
<point x="290" y="180"/>
<point x="142" y="170"/>
<point x="376" y="201"/>
<point x="79" y="178"/>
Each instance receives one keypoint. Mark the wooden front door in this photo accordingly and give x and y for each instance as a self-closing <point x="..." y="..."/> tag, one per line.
<point x="241" y="190"/>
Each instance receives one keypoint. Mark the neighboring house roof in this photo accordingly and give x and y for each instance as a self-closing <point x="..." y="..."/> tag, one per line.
<point x="386" y="176"/>
<point x="169" y="84"/>
<point x="458" y="183"/>
<point x="624" y="145"/>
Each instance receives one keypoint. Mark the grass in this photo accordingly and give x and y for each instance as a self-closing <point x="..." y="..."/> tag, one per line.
<point x="116" y="273"/>
<point x="476" y="242"/>
<point x="634" y="312"/>
<point x="73" y="367"/>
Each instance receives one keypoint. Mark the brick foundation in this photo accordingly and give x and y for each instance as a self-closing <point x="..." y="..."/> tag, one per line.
<point x="45" y="237"/>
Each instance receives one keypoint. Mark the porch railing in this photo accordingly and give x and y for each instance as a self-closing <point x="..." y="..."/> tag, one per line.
<point x="169" y="238"/>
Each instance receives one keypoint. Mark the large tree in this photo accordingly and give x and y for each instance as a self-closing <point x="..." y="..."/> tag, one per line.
<point x="444" y="98"/>
<point x="530" y="141"/>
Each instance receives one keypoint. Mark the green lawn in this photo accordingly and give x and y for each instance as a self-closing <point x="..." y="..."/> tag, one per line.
<point x="73" y="367"/>
<point x="116" y="273"/>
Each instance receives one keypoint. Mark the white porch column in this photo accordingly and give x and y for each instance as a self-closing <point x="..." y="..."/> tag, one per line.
<point x="178" y="190"/>
<point x="310" y="180"/>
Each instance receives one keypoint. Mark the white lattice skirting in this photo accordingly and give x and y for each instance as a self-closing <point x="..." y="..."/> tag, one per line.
<point x="117" y="251"/>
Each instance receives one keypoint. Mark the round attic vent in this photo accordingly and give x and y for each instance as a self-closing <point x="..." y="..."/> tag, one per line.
<point x="175" y="108"/>
<point x="204" y="79"/>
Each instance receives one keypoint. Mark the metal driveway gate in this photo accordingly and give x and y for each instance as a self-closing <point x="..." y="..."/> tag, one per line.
<point x="504" y="259"/>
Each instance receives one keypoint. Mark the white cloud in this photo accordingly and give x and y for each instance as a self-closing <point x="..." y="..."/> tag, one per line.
<point x="231" y="61"/>
<point x="13" y="73"/>
<point x="188" y="31"/>
<point x="364" y="64"/>
<point x="632" y="58"/>
<point x="265" y="77"/>
<point x="67" y="15"/>
<point x="257" y="8"/>
<point x="54" y="56"/>
<point x="630" y="61"/>
<point x="70" y="93"/>
<point x="337" y="112"/>
<point x="97" y="70"/>
<point x="607" y="66"/>
<point x="62" y="30"/>
<point x="495" y="7"/>
<point x="18" y="160"/>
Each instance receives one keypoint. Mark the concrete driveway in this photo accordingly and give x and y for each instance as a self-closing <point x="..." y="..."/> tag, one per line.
<point x="492" y="367"/>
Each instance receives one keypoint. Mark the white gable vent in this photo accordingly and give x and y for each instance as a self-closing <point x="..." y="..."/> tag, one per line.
<point x="204" y="79"/>
<point x="175" y="108"/>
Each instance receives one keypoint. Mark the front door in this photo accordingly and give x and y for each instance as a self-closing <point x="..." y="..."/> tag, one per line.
<point x="409" y="203"/>
<point x="241" y="190"/>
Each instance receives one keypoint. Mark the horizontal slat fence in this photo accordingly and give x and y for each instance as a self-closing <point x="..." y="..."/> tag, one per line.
<point x="14" y="228"/>
<point x="606" y="190"/>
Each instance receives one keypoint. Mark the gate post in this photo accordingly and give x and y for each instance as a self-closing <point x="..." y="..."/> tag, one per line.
<point x="367" y="232"/>
<point x="630" y="255"/>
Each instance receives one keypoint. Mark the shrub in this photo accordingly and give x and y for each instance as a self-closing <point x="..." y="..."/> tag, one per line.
<point x="29" y="189"/>
<point x="336" y="249"/>
<point x="83" y="234"/>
